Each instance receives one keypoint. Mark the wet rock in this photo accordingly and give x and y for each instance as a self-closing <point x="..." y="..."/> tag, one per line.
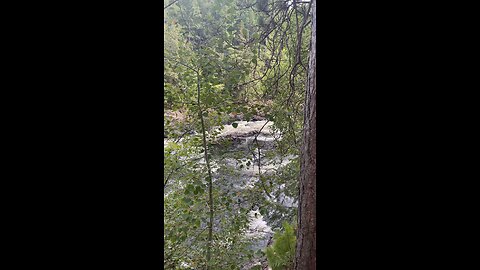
<point x="257" y="118"/>
<point x="236" y="116"/>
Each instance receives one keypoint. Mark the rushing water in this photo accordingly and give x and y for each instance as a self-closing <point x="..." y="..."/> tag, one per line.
<point x="246" y="136"/>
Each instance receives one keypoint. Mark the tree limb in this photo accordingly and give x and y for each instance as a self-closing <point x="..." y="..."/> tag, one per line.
<point x="173" y="2"/>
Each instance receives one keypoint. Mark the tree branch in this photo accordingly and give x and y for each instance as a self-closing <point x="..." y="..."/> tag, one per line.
<point x="173" y="2"/>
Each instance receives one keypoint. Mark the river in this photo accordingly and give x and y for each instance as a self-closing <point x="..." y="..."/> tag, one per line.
<point x="251" y="139"/>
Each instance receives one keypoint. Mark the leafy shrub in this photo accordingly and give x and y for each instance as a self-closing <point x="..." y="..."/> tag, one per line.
<point x="281" y="253"/>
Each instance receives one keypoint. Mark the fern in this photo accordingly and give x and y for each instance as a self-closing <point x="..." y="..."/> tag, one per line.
<point x="281" y="253"/>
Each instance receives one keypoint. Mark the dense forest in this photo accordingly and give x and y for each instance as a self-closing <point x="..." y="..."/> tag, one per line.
<point x="239" y="134"/>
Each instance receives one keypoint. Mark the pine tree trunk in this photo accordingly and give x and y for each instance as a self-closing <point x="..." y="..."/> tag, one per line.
<point x="305" y="257"/>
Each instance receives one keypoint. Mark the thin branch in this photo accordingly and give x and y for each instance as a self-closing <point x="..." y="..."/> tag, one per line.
<point x="180" y="63"/>
<point x="259" y="160"/>
<point x="173" y="2"/>
<point x="210" y="181"/>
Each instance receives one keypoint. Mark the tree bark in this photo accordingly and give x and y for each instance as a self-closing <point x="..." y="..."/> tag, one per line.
<point x="305" y="257"/>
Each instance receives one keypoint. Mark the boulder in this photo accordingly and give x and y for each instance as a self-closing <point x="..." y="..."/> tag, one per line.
<point x="258" y="118"/>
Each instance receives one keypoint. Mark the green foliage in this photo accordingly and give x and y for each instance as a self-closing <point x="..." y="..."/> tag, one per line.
<point x="219" y="48"/>
<point x="281" y="254"/>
